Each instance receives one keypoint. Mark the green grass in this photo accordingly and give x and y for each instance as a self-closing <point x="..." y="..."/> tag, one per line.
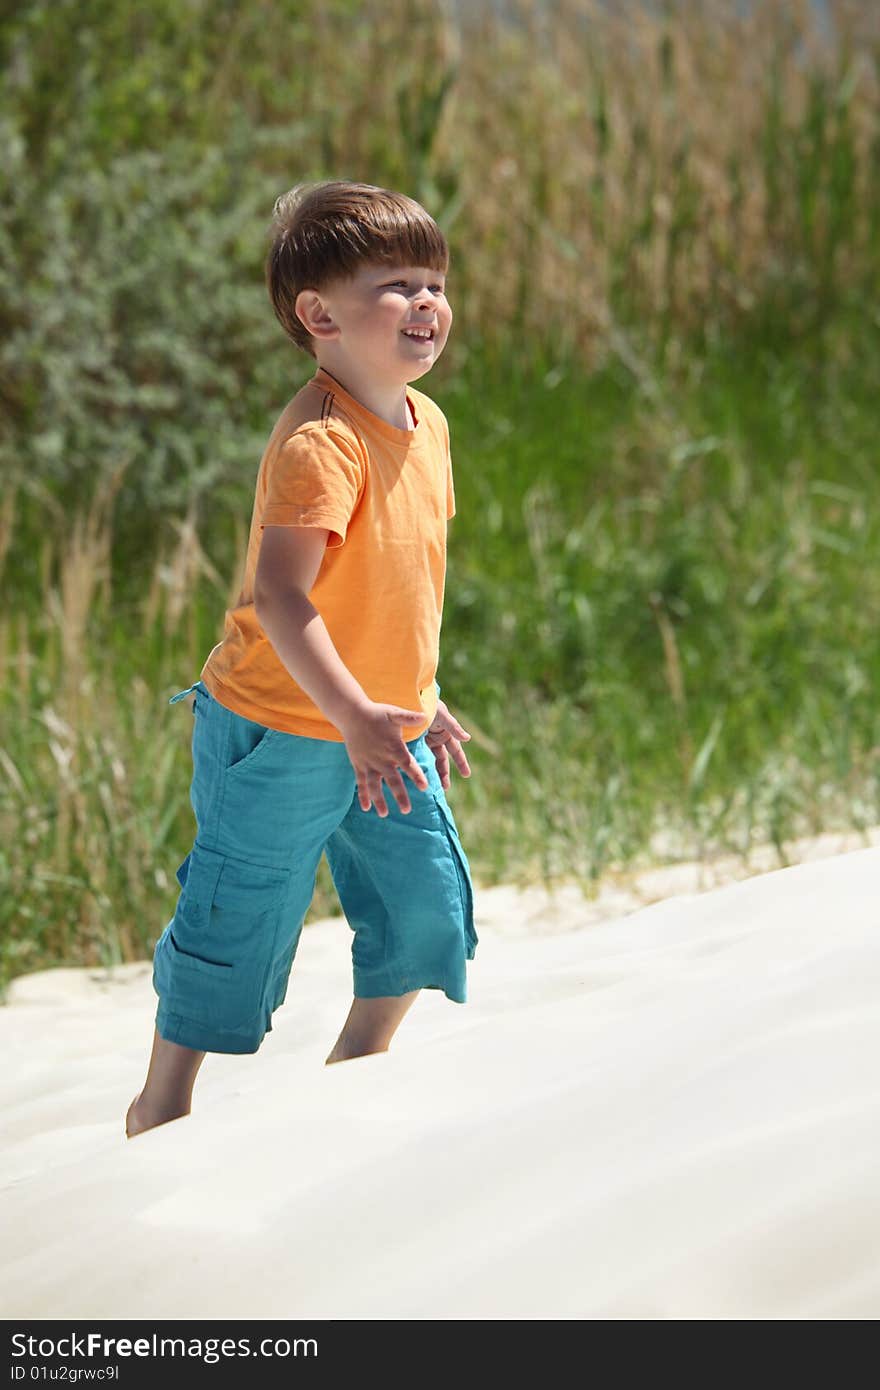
<point x="660" y="620"/>
<point x="660" y="624"/>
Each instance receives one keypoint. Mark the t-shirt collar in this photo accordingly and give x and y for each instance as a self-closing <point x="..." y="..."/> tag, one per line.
<point x="366" y="417"/>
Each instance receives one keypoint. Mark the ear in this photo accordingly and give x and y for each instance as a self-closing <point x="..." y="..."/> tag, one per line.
<point x="313" y="314"/>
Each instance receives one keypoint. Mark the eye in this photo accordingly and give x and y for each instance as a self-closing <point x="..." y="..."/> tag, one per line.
<point x="403" y="282"/>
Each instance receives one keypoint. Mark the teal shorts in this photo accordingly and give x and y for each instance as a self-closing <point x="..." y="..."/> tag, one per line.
<point x="267" y="805"/>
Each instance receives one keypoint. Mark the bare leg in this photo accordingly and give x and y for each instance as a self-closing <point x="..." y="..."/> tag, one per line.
<point x="167" y="1092"/>
<point x="370" y="1026"/>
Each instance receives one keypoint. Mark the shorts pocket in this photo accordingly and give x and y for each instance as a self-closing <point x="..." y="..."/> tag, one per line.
<point x="465" y="885"/>
<point x="247" y="742"/>
<point x="219" y="946"/>
<point x="247" y="745"/>
<point x="240" y="742"/>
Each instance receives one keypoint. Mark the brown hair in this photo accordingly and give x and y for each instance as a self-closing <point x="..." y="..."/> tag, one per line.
<point x="323" y="232"/>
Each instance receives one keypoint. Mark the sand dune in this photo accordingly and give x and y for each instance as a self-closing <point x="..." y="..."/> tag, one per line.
<point x="667" y="1112"/>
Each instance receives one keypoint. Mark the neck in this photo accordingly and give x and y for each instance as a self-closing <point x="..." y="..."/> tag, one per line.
<point x="387" y="401"/>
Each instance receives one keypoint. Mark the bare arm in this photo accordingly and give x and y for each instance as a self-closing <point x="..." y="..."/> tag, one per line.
<point x="290" y="557"/>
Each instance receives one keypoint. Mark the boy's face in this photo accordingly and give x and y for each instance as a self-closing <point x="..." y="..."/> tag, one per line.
<point x="362" y="320"/>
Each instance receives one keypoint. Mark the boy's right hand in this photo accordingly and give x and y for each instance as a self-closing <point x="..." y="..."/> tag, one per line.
<point x="376" y="749"/>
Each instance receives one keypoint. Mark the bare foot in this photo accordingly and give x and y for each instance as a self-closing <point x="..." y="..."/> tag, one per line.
<point x="345" y="1054"/>
<point x="133" y="1122"/>
<point x="138" y="1119"/>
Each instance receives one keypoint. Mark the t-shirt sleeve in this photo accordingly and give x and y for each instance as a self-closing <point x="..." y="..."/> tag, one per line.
<point x="315" y="479"/>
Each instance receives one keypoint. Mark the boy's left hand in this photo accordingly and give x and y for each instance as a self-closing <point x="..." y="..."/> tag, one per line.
<point x="443" y="738"/>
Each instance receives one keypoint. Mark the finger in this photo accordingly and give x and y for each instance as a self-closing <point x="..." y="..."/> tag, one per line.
<point x="448" y="724"/>
<point x="397" y="787"/>
<point x="363" y="792"/>
<point x="417" y="774"/>
<point x="375" y="785"/>
<point x="459" y="758"/>
<point x="441" y="758"/>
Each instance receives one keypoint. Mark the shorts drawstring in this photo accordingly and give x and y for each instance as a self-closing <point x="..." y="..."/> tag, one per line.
<point x="181" y="693"/>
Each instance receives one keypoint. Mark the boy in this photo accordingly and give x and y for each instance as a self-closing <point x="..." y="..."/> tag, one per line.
<point x="324" y="683"/>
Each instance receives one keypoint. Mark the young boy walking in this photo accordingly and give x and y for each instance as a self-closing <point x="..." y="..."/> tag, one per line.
<point x="324" y="684"/>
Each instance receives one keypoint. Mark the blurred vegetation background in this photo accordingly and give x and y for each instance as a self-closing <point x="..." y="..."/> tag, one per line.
<point x="661" y="615"/>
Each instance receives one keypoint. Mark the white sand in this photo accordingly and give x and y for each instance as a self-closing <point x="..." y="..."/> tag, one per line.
<point x="669" y="1114"/>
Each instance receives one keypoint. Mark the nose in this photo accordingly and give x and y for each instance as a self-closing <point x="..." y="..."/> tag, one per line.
<point x="425" y="297"/>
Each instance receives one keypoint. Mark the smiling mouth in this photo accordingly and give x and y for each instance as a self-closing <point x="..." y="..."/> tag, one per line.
<point x="418" y="337"/>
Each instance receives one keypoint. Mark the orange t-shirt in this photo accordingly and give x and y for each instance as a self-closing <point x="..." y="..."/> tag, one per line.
<point x="385" y="494"/>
